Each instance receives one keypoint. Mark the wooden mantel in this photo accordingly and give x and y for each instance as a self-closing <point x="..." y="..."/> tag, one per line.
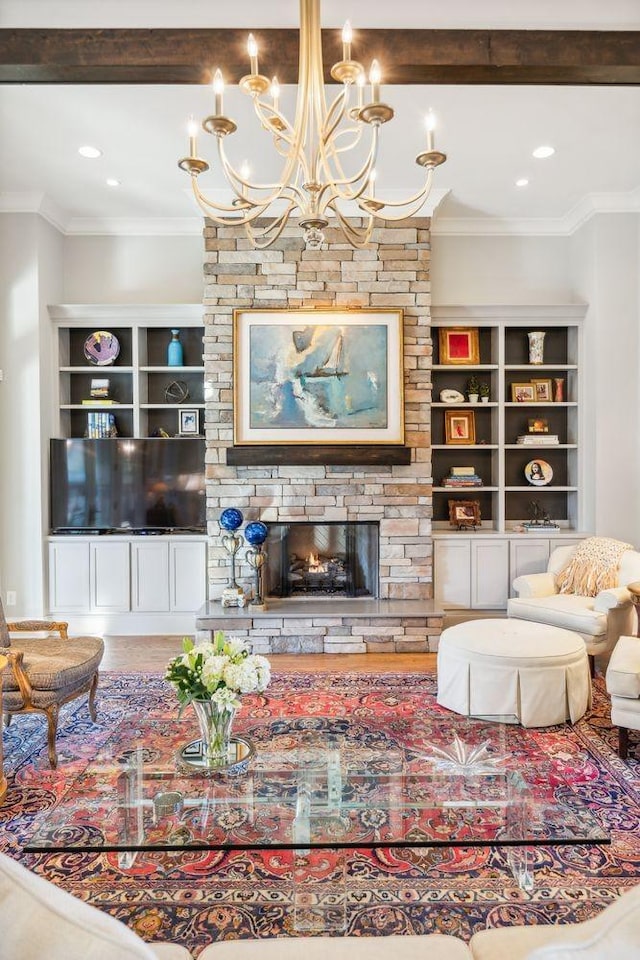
<point x="176" y="56"/>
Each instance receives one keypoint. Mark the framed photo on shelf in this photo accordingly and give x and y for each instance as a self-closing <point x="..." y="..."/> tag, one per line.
<point x="318" y="376"/>
<point x="544" y="391"/>
<point x="459" y="345"/>
<point x="523" y="393"/>
<point x="538" y="425"/>
<point x="189" y="423"/>
<point x="464" y="513"/>
<point x="459" y="426"/>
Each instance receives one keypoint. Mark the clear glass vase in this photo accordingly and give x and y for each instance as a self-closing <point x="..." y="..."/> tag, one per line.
<point x="215" y="731"/>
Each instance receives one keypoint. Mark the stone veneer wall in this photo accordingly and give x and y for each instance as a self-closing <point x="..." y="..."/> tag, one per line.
<point x="392" y="272"/>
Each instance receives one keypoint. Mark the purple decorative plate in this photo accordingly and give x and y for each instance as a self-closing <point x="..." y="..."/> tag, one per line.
<point x="101" y="348"/>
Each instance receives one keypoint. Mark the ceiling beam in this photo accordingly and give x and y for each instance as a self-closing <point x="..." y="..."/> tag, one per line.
<point x="176" y="56"/>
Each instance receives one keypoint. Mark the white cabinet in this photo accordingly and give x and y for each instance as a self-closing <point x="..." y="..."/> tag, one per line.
<point x="109" y="568"/>
<point x="475" y="571"/>
<point x="69" y="583"/>
<point x="187" y="575"/>
<point x="128" y="584"/>
<point x="453" y="572"/>
<point x="489" y="574"/>
<point x="150" y="576"/>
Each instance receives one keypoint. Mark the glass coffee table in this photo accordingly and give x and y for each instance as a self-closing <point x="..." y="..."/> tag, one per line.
<point x="308" y="784"/>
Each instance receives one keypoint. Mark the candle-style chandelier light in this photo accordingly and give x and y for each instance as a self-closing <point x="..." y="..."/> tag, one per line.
<point x="313" y="180"/>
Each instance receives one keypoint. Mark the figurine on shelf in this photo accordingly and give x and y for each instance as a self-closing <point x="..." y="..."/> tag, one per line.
<point x="230" y="520"/>
<point x="255" y="534"/>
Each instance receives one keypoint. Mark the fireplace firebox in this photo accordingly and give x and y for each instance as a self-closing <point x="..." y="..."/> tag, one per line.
<point x="322" y="560"/>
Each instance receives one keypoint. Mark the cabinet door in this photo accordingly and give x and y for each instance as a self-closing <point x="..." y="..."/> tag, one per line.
<point x="527" y="556"/>
<point x="150" y="576"/>
<point x="187" y="575"/>
<point x="489" y="574"/>
<point x="69" y="576"/>
<point x="453" y="573"/>
<point x="109" y="565"/>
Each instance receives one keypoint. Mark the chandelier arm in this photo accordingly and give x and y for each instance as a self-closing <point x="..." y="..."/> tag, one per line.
<point x="359" y="237"/>
<point x="414" y="201"/>
<point x="265" y="113"/>
<point x="361" y="176"/>
<point x="277" y="188"/>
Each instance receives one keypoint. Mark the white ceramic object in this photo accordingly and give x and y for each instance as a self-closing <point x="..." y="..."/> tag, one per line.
<point x="536" y="346"/>
<point x="451" y="396"/>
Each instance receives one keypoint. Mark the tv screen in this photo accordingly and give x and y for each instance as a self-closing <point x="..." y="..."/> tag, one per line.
<point x="127" y="485"/>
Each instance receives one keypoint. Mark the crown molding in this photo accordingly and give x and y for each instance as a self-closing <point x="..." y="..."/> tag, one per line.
<point x="577" y="217"/>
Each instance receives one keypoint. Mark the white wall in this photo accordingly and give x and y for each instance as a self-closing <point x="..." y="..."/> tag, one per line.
<point x="604" y="262"/>
<point x="133" y="269"/>
<point x="30" y="262"/>
<point x="484" y="270"/>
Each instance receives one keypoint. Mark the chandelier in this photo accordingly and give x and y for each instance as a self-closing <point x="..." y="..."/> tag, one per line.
<point x="313" y="182"/>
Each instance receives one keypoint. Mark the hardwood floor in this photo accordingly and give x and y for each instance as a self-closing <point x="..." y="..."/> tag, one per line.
<point x="150" y="655"/>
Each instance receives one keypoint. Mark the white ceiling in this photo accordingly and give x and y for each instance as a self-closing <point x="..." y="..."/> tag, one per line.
<point x="487" y="132"/>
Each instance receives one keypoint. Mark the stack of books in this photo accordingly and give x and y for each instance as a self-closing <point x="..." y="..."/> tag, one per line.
<point x="539" y="439"/>
<point x="530" y="526"/>
<point x="460" y="477"/>
<point x="100" y="426"/>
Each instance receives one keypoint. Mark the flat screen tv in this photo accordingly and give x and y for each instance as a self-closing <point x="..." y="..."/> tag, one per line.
<point x="127" y="485"/>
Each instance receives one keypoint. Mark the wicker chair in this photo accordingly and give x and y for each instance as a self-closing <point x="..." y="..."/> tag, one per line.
<point x="46" y="672"/>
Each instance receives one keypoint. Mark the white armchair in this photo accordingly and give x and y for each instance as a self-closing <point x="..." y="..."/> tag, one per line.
<point x="599" y="620"/>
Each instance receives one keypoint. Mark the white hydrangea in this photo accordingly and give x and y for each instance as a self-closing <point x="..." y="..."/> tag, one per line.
<point x="262" y="669"/>
<point x="221" y="669"/>
<point x="241" y="676"/>
<point x="213" y="671"/>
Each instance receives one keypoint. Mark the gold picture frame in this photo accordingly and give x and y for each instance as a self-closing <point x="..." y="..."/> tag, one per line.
<point x="459" y="345"/>
<point x="459" y="427"/>
<point x="464" y="513"/>
<point x="544" y="390"/>
<point x="318" y="376"/>
<point x="523" y="393"/>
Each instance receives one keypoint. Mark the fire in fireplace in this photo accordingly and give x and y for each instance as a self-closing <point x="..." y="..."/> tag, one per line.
<point x="322" y="560"/>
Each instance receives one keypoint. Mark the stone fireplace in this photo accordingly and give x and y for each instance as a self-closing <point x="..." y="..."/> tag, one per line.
<point x="322" y="560"/>
<point x="396" y="500"/>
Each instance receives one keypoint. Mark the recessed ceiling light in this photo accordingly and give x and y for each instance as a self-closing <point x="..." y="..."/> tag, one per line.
<point x="522" y="182"/>
<point x="90" y="153"/>
<point x="541" y="153"/>
<point x="112" y="182"/>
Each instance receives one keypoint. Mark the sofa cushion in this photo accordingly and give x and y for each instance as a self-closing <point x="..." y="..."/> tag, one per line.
<point x="54" y="664"/>
<point x="623" y="672"/>
<point x="5" y="639"/>
<point x="561" y="610"/>
<point x="38" y="921"/>
<point x="433" y="946"/>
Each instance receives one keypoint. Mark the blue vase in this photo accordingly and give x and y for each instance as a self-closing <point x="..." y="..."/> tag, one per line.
<point x="174" y="350"/>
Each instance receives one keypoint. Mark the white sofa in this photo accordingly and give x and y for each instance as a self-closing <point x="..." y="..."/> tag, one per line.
<point x="38" y="921"/>
<point x="599" y="620"/>
<point x="623" y="685"/>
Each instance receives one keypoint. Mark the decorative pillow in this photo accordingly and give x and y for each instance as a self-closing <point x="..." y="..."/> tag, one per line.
<point x="41" y="922"/>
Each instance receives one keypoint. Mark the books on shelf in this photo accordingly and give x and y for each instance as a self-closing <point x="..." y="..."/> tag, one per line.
<point x="539" y="439"/>
<point x="530" y="527"/>
<point x="462" y="472"/>
<point x="98" y="403"/>
<point x="459" y="482"/>
<point x="100" y="426"/>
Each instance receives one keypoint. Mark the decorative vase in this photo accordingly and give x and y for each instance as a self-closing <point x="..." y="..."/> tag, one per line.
<point x="215" y="731"/>
<point x="174" y="350"/>
<point x="473" y="397"/>
<point x="536" y="346"/>
<point x="558" y="394"/>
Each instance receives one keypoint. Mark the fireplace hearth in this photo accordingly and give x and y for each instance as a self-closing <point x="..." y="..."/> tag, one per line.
<point x="322" y="560"/>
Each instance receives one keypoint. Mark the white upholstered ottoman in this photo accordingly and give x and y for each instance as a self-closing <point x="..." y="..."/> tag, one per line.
<point x="514" y="668"/>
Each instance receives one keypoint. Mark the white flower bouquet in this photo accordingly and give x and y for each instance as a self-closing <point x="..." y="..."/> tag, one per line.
<point x="220" y="671"/>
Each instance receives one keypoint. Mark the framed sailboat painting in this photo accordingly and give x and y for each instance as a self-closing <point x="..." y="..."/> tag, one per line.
<point x="318" y="376"/>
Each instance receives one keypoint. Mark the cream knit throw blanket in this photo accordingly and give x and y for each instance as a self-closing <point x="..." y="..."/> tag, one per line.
<point x="593" y="567"/>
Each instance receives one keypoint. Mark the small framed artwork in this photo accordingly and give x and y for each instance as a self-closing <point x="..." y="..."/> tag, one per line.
<point x="189" y="423"/>
<point x="538" y="425"/>
<point x="538" y="472"/>
<point x="523" y="392"/>
<point x="544" y="390"/>
<point x="464" y="513"/>
<point x="459" y="426"/>
<point x="459" y="345"/>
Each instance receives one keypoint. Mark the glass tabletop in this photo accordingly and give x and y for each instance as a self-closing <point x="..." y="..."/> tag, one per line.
<point x="308" y="783"/>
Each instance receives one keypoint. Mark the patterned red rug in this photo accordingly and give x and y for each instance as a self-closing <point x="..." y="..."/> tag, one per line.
<point x="194" y="898"/>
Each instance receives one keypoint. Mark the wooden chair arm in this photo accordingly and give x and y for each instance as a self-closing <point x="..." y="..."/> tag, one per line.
<point x="24" y="685"/>
<point x="31" y="626"/>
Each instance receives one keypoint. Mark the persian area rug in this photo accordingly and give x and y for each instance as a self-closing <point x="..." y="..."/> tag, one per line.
<point x="194" y="898"/>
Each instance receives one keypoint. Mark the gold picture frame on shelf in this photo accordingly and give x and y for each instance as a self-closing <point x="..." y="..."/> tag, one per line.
<point x="544" y="391"/>
<point x="459" y="427"/>
<point x="523" y="393"/>
<point x="459" y="345"/>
